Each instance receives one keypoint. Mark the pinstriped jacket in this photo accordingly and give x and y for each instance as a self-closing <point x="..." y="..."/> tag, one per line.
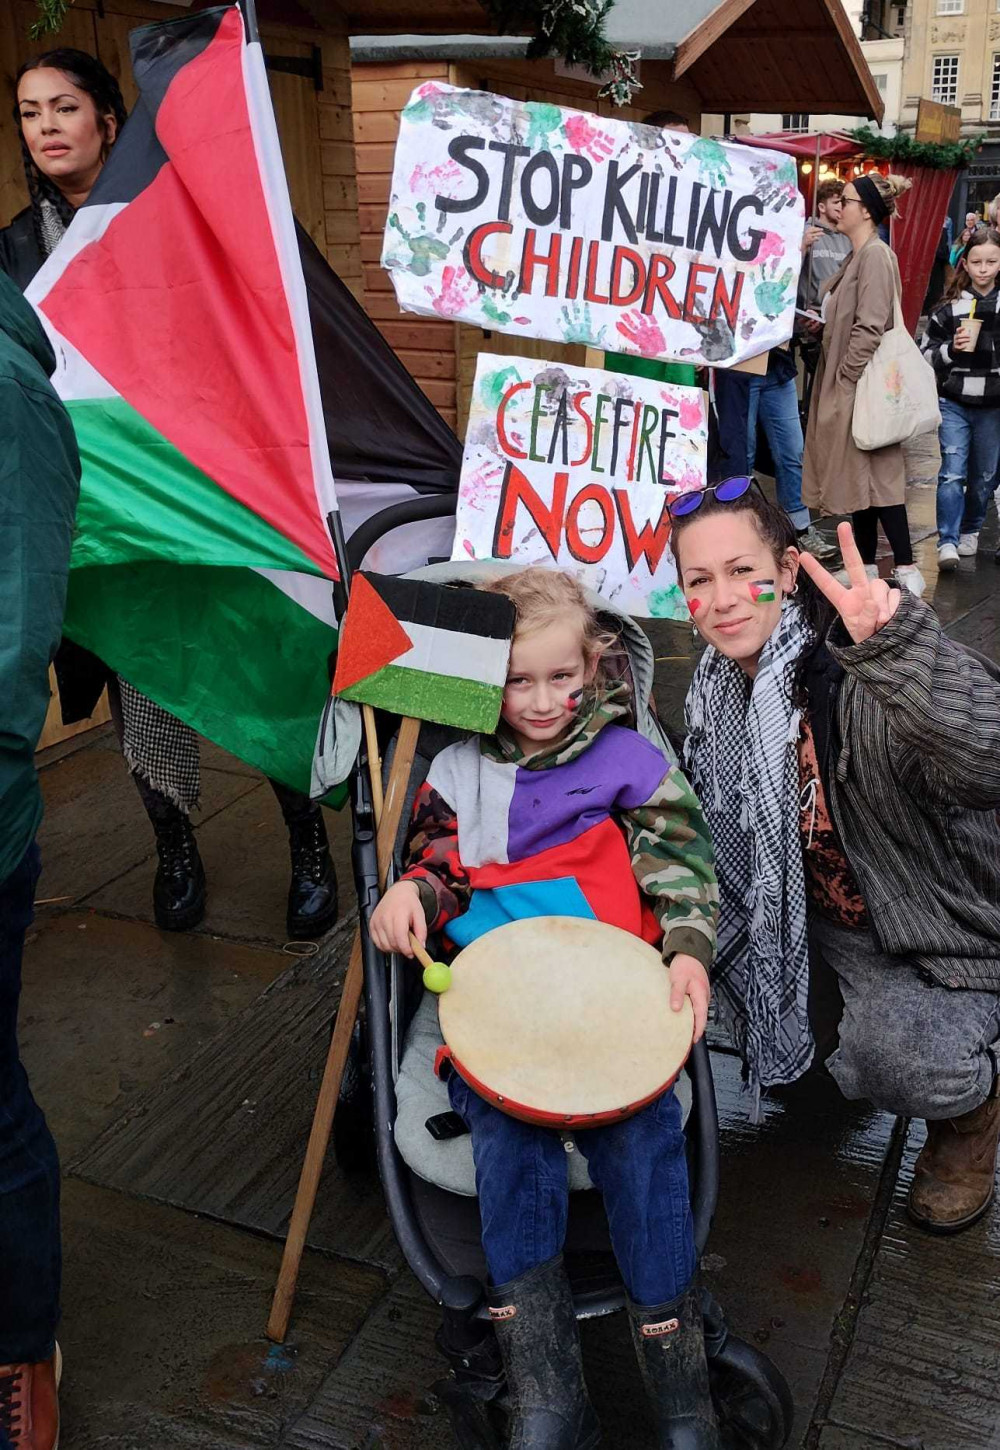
<point x="912" y="775"/>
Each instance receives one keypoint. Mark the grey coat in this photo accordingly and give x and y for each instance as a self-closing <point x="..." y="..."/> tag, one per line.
<point x="914" y="788"/>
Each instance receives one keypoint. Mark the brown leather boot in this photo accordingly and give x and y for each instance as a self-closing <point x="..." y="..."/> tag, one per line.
<point x="954" y="1178"/>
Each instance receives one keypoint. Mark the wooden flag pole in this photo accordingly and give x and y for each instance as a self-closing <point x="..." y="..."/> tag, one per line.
<point x="387" y="814"/>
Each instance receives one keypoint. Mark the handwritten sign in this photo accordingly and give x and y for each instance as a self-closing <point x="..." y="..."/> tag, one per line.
<point x="532" y="219"/>
<point x="572" y="467"/>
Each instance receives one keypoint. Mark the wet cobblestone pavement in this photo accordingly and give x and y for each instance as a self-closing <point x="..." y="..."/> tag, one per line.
<point x="180" y="1072"/>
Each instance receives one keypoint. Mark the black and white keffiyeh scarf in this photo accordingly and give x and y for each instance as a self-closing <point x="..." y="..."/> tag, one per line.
<point x="742" y="759"/>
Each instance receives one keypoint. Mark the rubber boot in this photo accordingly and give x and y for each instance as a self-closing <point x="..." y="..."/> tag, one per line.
<point x="670" y="1344"/>
<point x="179" y="884"/>
<point x="312" y="893"/>
<point x="536" y="1329"/>
<point x="954" y="1176"/>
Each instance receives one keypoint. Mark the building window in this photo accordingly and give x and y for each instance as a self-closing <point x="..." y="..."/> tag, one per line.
<point x="880" y="78"/>
<point x="951" y="7"/>
<point x="944" y="79"/>
<point x="797" y="120"/>
<point x="995" y="90"/>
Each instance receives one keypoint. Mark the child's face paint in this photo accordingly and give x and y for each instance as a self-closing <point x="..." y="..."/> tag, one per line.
<point x="546" y="680"/>
<point x="762" y="591"/>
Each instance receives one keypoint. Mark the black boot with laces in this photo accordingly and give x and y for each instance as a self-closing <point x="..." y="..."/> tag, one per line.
<point x="179" y="886"/>
<point x="312" y="894"/>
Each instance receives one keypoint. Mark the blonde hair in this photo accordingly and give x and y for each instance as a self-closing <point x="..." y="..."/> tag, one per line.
<point x="543" y="597"/>
<point x="889" y="187"/>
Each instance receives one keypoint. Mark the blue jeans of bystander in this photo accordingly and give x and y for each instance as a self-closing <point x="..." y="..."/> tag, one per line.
<point x="970" y="450"/>
<point x="776" y="404"/>
<point x="638" y="1164"/>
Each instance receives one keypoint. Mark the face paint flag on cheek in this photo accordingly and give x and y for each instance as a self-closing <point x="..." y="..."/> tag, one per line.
<point x="762" y="591"/>
<point x="573" y="701"/>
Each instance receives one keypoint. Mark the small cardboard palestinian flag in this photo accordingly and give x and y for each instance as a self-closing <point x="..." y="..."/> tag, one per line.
<point x="426" y="650"/>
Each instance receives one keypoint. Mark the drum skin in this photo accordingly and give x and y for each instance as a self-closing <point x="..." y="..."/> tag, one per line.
<point x="564" y="1021"/>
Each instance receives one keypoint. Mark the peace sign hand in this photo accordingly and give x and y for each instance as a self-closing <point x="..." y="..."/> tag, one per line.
<point x="868" y="604"/>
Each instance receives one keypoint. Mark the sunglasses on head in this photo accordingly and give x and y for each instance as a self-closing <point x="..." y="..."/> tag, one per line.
<point x="728" y="491"/>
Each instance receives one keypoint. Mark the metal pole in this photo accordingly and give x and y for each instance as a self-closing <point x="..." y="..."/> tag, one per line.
<point x="249" y="10"/>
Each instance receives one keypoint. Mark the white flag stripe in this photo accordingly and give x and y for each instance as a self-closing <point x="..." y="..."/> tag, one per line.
<point x="264" y="131"/>
<point x="460" y="656"/>
<point x="74" y="376"/>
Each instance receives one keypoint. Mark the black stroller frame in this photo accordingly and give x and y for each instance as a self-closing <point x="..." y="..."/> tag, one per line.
<point x="752" y="1399"/>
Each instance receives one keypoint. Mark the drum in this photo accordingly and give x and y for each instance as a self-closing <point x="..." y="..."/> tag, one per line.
<point x="563" y="1021"/>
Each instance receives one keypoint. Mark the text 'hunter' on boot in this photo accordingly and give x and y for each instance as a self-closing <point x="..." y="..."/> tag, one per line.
<point x="179" y="884"/>
<point x="312" y="893"/>
<point x="670" y="1344"/>
<point x="536" y="1329"/>
<point x="954" y="1177"/>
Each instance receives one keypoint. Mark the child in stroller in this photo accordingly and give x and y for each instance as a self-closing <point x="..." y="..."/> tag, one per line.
<point x="641" y="860"/>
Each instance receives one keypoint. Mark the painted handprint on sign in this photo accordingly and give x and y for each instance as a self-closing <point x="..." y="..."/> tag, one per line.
<point x="714" y="166"/>
<point x="588" y="139"/>
<point x="769" y="293"/>
<point x="456" y="292"/>
<point x="577" y="325"/>
<point x="425" y="250"/>
<point x="543" y="120"/>
<point x="642" y="334"/>
<point x="774" y="185"/>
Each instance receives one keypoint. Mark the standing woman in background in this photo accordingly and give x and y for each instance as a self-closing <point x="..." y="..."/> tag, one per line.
<point x="858" y="308"/>
<point x="69" y="111"/>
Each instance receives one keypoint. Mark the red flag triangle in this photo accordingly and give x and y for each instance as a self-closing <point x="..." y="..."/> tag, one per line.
<point x="371" y="637"/>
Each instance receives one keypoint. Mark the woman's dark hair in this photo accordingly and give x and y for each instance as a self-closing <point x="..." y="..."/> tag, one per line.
<point x="775" y="529"/>
<point x="979" y="238"/>
<point x="95" y="80"/>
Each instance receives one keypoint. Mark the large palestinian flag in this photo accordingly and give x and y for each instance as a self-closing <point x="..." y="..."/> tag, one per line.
<point x="176" y="304"/>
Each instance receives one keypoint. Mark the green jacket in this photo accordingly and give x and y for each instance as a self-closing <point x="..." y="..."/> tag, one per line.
<point x="39" y="484"/>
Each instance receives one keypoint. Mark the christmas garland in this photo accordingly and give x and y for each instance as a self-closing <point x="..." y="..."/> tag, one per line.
<point x="937" y="155"/>
<point x="51" y="14"/>
<point x="573" y="29"/>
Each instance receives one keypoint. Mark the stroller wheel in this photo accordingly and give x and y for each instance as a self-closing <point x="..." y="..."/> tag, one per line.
<point x="354" y="1121"/>
<point x="752" y="1400"/>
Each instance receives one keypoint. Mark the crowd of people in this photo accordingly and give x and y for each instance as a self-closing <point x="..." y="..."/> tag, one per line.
<point x="826" y="863"/>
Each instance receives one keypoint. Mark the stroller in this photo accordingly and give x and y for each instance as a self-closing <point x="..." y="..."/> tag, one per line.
<point x="391" y="1103"/>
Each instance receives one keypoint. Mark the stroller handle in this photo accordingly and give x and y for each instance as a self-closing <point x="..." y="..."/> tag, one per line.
<point x="410" y="511"/>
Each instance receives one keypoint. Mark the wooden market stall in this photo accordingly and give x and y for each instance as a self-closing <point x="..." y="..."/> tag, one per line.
<point x="698" y="56"/>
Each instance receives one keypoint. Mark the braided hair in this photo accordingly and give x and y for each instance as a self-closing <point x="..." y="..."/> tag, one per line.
<point x="95" y="80"/>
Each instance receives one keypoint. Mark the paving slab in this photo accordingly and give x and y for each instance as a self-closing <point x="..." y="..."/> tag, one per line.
<point x="224" y="1135"/>
<point x="163" y="1329"/>
<point x="245" y="851"/>
<point x="923" y="1369"/>
<point x="95" y="830"/>
<point x="110" y="1007"/>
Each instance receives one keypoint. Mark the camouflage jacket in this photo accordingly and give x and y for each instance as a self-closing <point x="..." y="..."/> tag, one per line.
<point x="599" y="825"/>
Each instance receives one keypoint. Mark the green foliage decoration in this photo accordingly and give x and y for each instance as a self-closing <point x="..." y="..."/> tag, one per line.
<point x="573" y="29"/>
<point x="940" y="156"/>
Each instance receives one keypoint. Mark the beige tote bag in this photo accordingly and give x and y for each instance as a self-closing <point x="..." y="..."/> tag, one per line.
<point x="897" y="395"/>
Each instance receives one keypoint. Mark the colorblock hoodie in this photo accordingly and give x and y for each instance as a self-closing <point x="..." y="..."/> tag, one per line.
<point x="598" y="826"/>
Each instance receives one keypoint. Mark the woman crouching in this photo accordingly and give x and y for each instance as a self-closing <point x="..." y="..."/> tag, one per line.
<point x="847" y="756"/>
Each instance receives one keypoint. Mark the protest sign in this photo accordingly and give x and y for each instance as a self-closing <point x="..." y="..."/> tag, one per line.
<point x="572" y="467"/>
<point x="528" y="218"/>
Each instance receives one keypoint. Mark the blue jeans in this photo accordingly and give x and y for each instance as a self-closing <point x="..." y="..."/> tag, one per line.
<point x="777" y="406"/>
<point x="638" y="1165"/>
<point x="739" y="401"/>
<point x="30" y="1253"/>
<point x="970" y="450"/>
